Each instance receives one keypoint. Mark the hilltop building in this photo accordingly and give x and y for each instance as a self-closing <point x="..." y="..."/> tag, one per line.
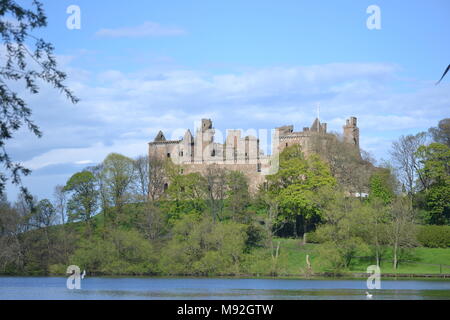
<point x="195" y="153"/>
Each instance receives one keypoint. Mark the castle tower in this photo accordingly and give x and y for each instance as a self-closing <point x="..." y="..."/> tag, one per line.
<point x="204" y="139"/>
<point x="187" y="153"/>
<point x="351" y="131"/>
<point x="318" y="127"/>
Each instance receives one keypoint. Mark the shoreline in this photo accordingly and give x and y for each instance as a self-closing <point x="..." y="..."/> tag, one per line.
<point x="352" y="276"/>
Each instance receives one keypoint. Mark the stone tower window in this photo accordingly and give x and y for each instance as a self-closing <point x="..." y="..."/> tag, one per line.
<point x="181" y="153"/>
<point x="168" y="155"/>
<point x="213" y="153"/>
<point x="287" y="144"/>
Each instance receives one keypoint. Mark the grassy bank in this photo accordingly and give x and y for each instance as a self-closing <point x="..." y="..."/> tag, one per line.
<point x="292" y="261"/>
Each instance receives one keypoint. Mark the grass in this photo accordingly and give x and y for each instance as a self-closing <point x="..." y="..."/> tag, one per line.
<point x="417" y="261"/>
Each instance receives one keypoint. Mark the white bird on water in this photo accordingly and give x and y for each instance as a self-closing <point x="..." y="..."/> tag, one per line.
<point x="368" y="295"/>
<point x="84" y="274"/>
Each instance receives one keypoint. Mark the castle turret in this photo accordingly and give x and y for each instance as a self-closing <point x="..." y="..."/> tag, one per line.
<point x="317" y="126"/>
<point x="160" y="137"/>
<point x="351" y="131"/>
<point x="187" y="153"/>
<point x="204" y="140"/>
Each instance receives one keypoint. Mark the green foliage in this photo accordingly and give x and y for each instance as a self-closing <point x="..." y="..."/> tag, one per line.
<point x="83" y="203"/>
<point x="200" y="246"/>
<point x="441" y="133"/>
<point x="256" y="236"/>
<point x="238" y="197"/>
<point x="381" y="186"/>
<point x="117" y="175"/>
<point x="436" y="168"/>
<point x="122" y="252"/>
<point x="350" y="227"/>
<point x="296" y="182"/>
<point x="313" y="237"/>
<point x="434" y="236"/>
<point x="26" y="62"/>
<point x="211" y="225"/>
<point x="45" y="214"/>
<point x="186" y="196"/>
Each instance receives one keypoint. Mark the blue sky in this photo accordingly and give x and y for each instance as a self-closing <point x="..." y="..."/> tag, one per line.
<point x="150" y="65"/>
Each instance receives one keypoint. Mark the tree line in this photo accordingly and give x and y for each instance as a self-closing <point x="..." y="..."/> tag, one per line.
<point x="145" y="216"/>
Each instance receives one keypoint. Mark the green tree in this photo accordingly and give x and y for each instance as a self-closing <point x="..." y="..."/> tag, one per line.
<point x="238" y="198"/>
<point x="201" y="246"/>
<point x="215" y="188"/>
<point x="382" y="185"/>
<point x="295" y="183"/>
<point x="343" y="229"/>
<point x="151" y="221"/>
<point x="375" y="233"/>
<point x="401" y="228"/>
<point x="142" y="175"/>
<point x="26" y="61"/>
<point x="83" y="203"/>
<point x="405" y="159"/>
<point x="118" y="174"/>
<point x="436" y="167"/>
<point x="122" y="252"/>
<point x="45" y="215"/>
<point x="10" y="230"/>
<point x="441" y="133"/>
<point x="186" y="195"/>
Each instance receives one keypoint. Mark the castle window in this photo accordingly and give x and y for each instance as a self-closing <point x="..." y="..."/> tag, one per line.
<point x="258" y="168"/>
<point x="181" y="153"/>
<point x="166" y="186"/>
<point x="168" y="155"/>
<point x="213" y="153"/>
<point x="286" y="144"/>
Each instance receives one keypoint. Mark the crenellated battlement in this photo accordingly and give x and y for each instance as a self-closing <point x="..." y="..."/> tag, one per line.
<point x="241" y="153"/>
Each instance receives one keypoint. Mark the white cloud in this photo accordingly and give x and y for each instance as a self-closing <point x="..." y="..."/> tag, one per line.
<point x="122" y="111"/>
<point x="147" y="29"/>
<point x="81" y="162"/>
<point x="97" y="152"/>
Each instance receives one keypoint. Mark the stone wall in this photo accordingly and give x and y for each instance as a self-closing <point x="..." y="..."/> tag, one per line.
<point x="237" y="153"/>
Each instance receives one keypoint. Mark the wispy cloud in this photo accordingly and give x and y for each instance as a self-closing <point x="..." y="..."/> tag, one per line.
<point x="121" y="112"/>
<point x="147" y="29"/>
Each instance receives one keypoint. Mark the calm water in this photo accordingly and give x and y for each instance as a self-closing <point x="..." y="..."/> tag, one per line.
<point x="211" y="288"/>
